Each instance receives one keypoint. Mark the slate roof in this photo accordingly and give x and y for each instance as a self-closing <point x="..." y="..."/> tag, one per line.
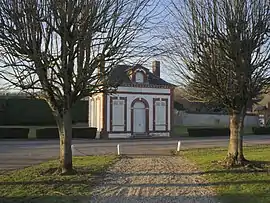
<point x="120" y="74"/>
<point x="260" y="108"/>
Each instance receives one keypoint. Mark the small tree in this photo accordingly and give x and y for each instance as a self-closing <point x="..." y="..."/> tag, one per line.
<point x="64" y="50"/>
<point x="220" y="51"/>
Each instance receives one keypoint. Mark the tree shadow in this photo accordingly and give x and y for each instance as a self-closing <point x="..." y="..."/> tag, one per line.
<point x="145" y="155"/>
<point x="260" y="163"/>
<point x="228" y="198"/>
<point x="222" y="183"/>
<point x="247" y="198"/>
<point x="4" y="171"/>
<point x="11" y="163"/>
<point x="96" y="179"/>
<point x="94" y="176"/>
<point x="189" y="173"/>
<point x="247" y="165"/>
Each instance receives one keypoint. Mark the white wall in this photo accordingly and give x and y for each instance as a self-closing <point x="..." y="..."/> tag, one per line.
<point x="148" y="98"/>
<point x="191" y="119"/>
<point x="145" y="90"/>
<point x="95" y="120"/>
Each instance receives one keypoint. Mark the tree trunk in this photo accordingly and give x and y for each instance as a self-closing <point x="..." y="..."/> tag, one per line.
<point x="241" y="159"/>
<point x="65" y="134"/>
<point x="235" y="128"/>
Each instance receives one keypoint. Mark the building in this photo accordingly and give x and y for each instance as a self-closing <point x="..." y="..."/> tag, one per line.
<point x="141" y="106"/>
<point x="263" y="113"/>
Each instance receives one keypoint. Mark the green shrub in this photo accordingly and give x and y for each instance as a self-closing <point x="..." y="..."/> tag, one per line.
<point x="52" y="133"/>
<point x="261" y="130"/>
<point x="36" y="112"/>
<point x="87" y="133"/>
<point x="47" y="133"/>
<point x="208" y="132"/>
<point x="14" y="133"/>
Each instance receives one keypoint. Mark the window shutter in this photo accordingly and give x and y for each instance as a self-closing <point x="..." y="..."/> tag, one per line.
<point x="160" y="114"/>
<point x="118" y="113"/>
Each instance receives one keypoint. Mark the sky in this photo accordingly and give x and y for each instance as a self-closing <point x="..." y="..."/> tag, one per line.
<point x="159" y="22"/>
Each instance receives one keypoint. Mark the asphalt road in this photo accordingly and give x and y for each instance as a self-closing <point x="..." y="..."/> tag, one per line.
<point x="16" y="154"/>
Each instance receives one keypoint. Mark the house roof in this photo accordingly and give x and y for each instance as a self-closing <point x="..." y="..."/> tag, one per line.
<point x="121" y="75"/>
<point x="260" y="108"/>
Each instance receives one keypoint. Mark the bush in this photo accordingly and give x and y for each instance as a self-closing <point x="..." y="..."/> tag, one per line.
<point x="36" y="112"/>
<point x="47" y="133"/>
<point x="208" y="132"/>
<point x="87" y="133"/>
<point x="14" y="133"/>
<point x="52" y="133"/>
<point x="261" y="130"/>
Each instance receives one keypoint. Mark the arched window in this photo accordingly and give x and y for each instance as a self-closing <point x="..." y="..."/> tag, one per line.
<point x="139" y="77"/>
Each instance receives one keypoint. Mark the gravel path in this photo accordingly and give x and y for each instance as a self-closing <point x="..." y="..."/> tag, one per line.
<point x="153" y="179"/>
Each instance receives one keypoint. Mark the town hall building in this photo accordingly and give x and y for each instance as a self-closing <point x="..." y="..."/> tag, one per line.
<point x="142" y="105"/>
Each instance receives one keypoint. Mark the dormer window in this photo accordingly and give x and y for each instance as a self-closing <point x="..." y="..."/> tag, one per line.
<point x="139" y="77"/>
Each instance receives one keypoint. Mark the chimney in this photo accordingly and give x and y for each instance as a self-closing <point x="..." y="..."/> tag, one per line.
<point x="268" y="105"/>
<point x="101" y="65"/>
<point x="156" y="68"/>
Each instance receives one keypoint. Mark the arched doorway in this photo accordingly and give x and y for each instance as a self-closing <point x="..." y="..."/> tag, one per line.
<point x="139" y="117"/>
<point x="139" y="120"/>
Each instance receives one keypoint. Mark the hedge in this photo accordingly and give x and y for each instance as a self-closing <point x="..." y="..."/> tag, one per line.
<point x="47" y="133"/>
<point x="14" y="133"/>
<point x="208" y="132"/>
<point x="52" y="133"/>
<point x="87" y="133"/>
<point x="36" y="112"/>
<point x="261" y="130"/>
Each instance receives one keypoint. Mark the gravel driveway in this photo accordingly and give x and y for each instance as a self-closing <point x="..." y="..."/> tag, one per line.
<point x="153" y="179"/>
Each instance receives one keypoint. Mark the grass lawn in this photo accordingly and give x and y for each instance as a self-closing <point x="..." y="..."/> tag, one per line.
<point x="40" y="184"/>
<point x="235" y="185"/>
<point x="180" y="130"/>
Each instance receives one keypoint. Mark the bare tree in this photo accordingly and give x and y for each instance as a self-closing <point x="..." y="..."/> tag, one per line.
<point x="64" y="50"/>
<point x="220" y="52"/>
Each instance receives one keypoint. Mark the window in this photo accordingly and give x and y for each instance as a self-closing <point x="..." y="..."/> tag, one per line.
<point x="90" y="112"/>
<point x="94" y="113"/>
<point x="118" y="111"/>
<point x="98" y="113"/>
<point x="139" y="77"/>
<point x="160" y="115"/>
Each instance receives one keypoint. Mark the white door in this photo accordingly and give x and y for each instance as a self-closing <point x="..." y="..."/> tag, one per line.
<point x="139" y="118"/>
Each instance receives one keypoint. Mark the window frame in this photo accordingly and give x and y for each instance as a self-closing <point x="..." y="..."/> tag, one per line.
<point x="113" y="125"/>
<point x="157" y="126"/>
<point x="141" y="74"/>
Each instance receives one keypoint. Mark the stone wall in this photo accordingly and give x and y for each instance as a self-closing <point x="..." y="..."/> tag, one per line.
<point x="193" y="119"/>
